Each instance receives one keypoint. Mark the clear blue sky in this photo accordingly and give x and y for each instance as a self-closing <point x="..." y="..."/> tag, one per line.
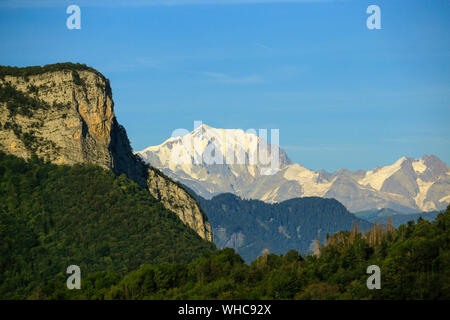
<point x="341" y="95"/>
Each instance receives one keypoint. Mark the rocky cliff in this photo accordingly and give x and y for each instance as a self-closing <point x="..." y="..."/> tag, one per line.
<point x="176" y="199"/>
<point x="65" y="113"/>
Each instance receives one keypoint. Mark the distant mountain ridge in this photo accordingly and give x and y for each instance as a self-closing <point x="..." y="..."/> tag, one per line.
<point x="398" y="218"/>
<point x="250" y="226"/>
<point x="409" y="185"/>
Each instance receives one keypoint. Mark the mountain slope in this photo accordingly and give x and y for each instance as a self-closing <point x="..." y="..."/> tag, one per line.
<point x="55" y="216"/>
<point x="398" y="218"/>
<point x="65" y="113"/>
<point x="250" y="226"/>
<point x="409" y="185"/>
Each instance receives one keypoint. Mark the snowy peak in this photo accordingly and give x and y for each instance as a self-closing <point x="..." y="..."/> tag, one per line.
<point x="206" y="146"/>
<point x="376" y="178"/>
<point x="427" y="168"/>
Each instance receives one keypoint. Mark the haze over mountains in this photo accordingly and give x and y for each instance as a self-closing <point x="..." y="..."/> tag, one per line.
<point x="408" y="185"/>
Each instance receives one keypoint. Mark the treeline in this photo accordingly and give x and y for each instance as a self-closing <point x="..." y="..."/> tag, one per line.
<point x="414" y="262"/>
<point x="55" y="216"/>
<point x="35" y="70"/>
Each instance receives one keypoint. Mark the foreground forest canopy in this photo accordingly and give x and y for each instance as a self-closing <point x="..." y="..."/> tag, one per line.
<point x="129" y="247"/>
<point x="414" y="262"/>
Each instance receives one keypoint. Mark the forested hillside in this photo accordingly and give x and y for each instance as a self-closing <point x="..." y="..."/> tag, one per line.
<point x="250" y="226"/>
<point x="414" y="262"/>
<point x="55" y="216"/>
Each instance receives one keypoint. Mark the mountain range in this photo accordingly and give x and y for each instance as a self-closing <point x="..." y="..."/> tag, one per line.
<point x="397" y="218"/>
<point x="408" y="185"/>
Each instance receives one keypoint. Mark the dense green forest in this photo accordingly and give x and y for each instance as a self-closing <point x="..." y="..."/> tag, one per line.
<point x="414" y="261"/>
<point x="54" y="216"/>
<point x="250" y="226"/>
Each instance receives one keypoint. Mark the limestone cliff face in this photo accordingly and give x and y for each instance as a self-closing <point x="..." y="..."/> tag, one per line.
<point x="165" y="190"/>
<point x="66" y="115"/>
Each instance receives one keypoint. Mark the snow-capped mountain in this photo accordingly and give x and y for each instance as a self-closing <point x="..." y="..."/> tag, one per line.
<point x="408" y="185"/>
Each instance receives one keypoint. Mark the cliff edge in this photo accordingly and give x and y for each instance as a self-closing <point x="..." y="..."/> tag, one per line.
<point x="65" y="114"/>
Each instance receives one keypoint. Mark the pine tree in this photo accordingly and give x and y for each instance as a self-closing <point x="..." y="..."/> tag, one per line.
<point x="390" y="225"/>
<point x="353" y="233"/>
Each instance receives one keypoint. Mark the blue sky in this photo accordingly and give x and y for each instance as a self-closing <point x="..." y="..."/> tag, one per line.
<point x="341" y="95"/>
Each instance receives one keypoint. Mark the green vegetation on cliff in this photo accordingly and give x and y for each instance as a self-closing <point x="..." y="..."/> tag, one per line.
<point x="55" y="216"/>
<point x="14" y="102"/>
<point x="35" y="70"/>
